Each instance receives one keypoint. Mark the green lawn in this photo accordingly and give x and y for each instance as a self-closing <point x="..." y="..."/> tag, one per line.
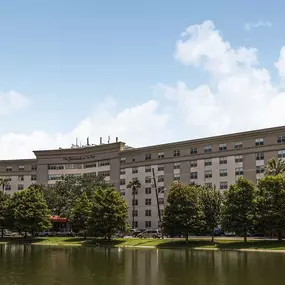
<point x="222" y="244"/>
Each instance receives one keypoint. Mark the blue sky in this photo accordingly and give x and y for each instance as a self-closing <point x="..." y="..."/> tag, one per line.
<point x="99" y="68"/>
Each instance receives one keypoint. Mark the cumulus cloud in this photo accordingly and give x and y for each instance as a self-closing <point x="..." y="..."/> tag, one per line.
<point x="259" y="24"/>
<point x="241" y="96"/>
<point x="12" y="101"/>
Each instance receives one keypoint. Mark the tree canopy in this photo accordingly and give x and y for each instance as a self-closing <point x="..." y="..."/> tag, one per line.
<point x="275" y="166"/>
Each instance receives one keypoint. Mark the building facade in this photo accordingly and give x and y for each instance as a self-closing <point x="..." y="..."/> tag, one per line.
<point x="218" y="161"/>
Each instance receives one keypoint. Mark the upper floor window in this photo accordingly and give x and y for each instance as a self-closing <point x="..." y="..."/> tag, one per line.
<point x="176" y="177"/>
<point x="208" y="174"/>
<point x="223" y="185"/>
<point x="147" y="168"/>
<point x="239" y="171"/>
<point x="223" y="160"/>
<point x="147" y="213"/>
<point x="8" y="168"/>
<point x="161" y="201"/>
<point x="122" y="181"/>
<point x="259" y="142"/>
<point x="208" y="162"/>
<point x="20" y="187"/>
<point x="33" y="167"/>
<point x="21" y="178"/>
<point x="148" y="179"/>
<point x="55" y="167"/>
<point x="123" y="171"/>
<point x="208" y="148"/>
<point x="103" y="162"/>
<point x="176" y="152"/>
<point x="160" y="155"/>
<point x="21" y="167"/>
<point x="148" y="201"/>
<point x="223" y="172"/>
<point x="176" y="165"/>
<point x="281" y="153"/>
<point x="259" y="156"/>
<point x="193" y="175"/>
<point x="193" y="150"/>
<point x="148" y="190"/>
<point x="90" y="165"/>
<point x="148" y="156"/>
<point x="193" y="163"/>
<point x="238" y="158"/>
<point x="123" y="160"/>
<point x="105" y="173"/>
<point x="135" y="170"/>
<point x="160" y="167"/>
<point x="33" y="177"/>
<point x="260" y="169"/>
<point x="160" y="178"/>
<point x="237" y="145"/>
<point x="281" y="139"/>
<point x="222" y="147"/>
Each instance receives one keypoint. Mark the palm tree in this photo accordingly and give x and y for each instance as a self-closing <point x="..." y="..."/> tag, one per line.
<point x="275" y="166"/>
<point x="4" y="182"/>
<point x="134" y="185"/>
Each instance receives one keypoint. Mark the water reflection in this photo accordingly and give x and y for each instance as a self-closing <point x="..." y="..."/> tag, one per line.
<point x="33" y="265"/>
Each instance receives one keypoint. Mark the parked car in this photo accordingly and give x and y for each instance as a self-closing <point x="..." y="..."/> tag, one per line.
<point x="9" y="233"/>
<point x="150" y="234"/>
<point x="136" y="232"/>
<point x="44" y="234"/>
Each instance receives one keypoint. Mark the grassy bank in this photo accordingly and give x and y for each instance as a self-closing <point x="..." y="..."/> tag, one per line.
<point x="219" y="244"/>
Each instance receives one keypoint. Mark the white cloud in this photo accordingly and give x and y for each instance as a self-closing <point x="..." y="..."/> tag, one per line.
<point x="241" y="97"/>
<point x="259" y="24"/>
<point x="12" y="101"/>
<point x="280" y="63"/>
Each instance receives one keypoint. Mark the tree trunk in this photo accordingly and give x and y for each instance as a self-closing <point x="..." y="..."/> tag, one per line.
<point x="244" y="235"/>
<point x="85" y="234"/>
<point x="279" y="236"/>
<point x="186" y="237"/>
<point x="213" y="234"/>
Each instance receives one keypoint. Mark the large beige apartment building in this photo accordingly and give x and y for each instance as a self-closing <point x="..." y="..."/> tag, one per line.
<point x="218" y="161"/>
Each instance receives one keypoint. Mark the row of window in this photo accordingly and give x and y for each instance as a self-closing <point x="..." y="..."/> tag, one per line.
<point x="78" y="166"/>
<point x="147" y="213"/>
<point x="148" y="202"/>
<point x="147" y="224"/>
<point x="21" y="168"/>
<point x="9" y="188"/>
<point x="22" y="178"/>
<point x="147" y="190"/>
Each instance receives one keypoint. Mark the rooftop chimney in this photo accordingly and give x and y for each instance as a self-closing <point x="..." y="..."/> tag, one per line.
<point x="100" y="140"/>
<point x="117" y="139"/>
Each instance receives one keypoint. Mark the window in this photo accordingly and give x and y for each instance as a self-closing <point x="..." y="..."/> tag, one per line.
<point x="90" y="165"/>
<point x="208" y="174"/>
<point x="160" y="201"/>
<point x="281" y="139"/>
<point x="103" y="162"/>
<point x="176" y="165"/>
<point x="54" y="177"/>
<point x="73" y="166"/>
<point x="161" y="189"/>
<point x="7" y="187"/>
<point x="208" y="185"/>
<point x="148" y="224"/>
<point x="160" y="178"/>
<point x="20" y="187"/>
<point x="238" y="158"/>
<point x="33" y="167"/>
<point x="123" y="193"/>
<point x="176" y="177"/>
<point x="135" y="202"/>
<point x="148" y="213"/>
<point x="223" y="185"/>
<point x="260" y="169"/>
<point x="133" y="159"/>
<point x="33" y="177"/>
<point x="123" y="160"/>
<point x="208" y="148"/>
<point x="193" y="163"/>
<point x="135" y="224"/>
<point x="237" y="145"/>
<point x="223" y="147"/>
<point x="281" y="153"/>
<point x="8" y="178"/>
<point x="55" y="167"/>
<point x="8" y="168"/>
<point x="122" y="181"/>
<point x="176" y="152"/>
<point x="259" y="142"/>
<point x="160" y="155"/>
<point x="135" y="213"/>
<point x="223" y="172"/>
<point x="21" y="168"/>
<point x="104" y="173"/>
<point x="193" y="175"/>
<point x="21" y="178"/>
<point x="208" y="162"/>
<point x="148" y="179"/>
<point x="239" y="171"/>
<point x="193" y="150"/>
<point x="147" y="168"/>
<point x="135" y="170"/>
<point x="147" y="156"/>
<point x="148" y="190"/>
<point x="223" y="160"/>
<point x="160" y="167"/>
<point x="259" y="156"/>
<point x="123" y="171"/>
<point x="148" y="201"/>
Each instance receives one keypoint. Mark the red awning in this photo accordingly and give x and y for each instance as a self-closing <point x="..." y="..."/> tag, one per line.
<point x="58" y="219"/>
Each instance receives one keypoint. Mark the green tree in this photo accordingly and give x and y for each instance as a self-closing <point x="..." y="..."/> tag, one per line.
<point x="29" y="211"/>
<point x="4" y="202"/>
<point x="275" y="166"/>
<point x="109" y="213"/>
<point x="211" y="199"/>
<point x="134" y="185"/>
<point x="239" y="210"/>
<point x="183" y="213"/>
<point x="271" y="205"/>
<point x="81" y="212"/>
<point x="3" y="183"/>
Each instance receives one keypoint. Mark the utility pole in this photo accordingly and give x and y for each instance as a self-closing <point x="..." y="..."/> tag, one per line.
<point x="157" y="201"/>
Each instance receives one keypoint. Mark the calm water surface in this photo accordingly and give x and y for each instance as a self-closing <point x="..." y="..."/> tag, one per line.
<point x="41" y="265"/>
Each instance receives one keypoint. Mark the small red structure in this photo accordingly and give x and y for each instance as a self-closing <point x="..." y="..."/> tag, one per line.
<point x="59" y="224"/>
